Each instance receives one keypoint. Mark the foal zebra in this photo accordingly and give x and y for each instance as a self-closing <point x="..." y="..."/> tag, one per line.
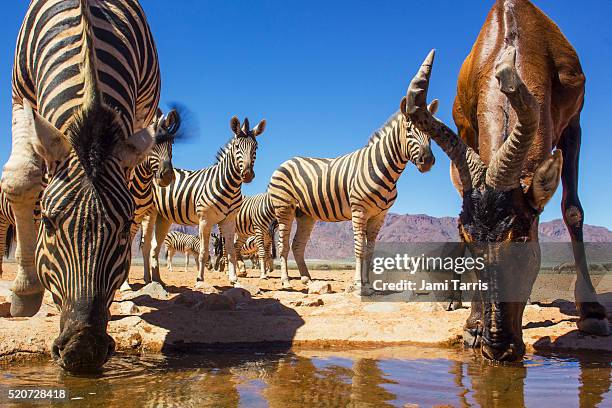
<point x="188" y="244"/>
<point x="207" y="197"/>
<point x="359" y="186"/>
<point x="85" y="92"/>
<point x="254" y="219"/>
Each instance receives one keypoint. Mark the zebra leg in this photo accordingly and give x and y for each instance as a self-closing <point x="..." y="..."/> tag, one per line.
<point x="261" y="252"/>
<point x="227" y="227"/>
<point x="204" y="231"/>
<point x="269" y="260"/>
<point x="305" y="225"/>
<point x="285" y="216"/>
<point x="22" y="184"/>
<point x="3" y="245"/>
<point x="240" y="240"/>
<point x="169" y="256"/>
<point x="161" y="230"/>
<point x="186" y="261"/>
<point x="359" y="220"/>
<point x="372" y="228"/>
<point x="148" y="233"/>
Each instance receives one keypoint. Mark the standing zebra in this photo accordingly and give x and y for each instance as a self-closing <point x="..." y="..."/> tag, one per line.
<point x="359" y="186"/>
<point x="255" y="218"/>
<point x="85" y="93"/>
<point x="188" y="244"/>
<point x="208" y="196"/>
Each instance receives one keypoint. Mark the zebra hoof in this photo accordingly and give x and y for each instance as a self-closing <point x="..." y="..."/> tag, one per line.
<point x="125" y="287"/>
<point x="242" y="274"/>
<point x="305" y="280"/>
<point x="263" y="277"/>
<point x="26" y="305"/>
<point x="287" y="285"/>
<point x="597" y="327"/>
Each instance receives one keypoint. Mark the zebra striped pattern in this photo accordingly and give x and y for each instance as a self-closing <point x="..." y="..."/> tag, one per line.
<point x="7" y="225"/>
<point x="177" y="241"/>
<point x="208" y="196"/>
<point x="359" y="186"/>
<point x="253" y="222"/>
<point x="91" y="71"/>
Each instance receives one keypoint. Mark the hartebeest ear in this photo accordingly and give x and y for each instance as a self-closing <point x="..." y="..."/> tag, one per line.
<point x="433" y="107"/>
<point x="133" y="150"/>
<point x="49" y="142"/>
<point x="545" y="181"/>
<point x="235" y="125"/>
<point x="259" y="129"/>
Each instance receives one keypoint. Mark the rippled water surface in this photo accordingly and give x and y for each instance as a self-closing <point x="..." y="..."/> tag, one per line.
<point x="374" y="378"/>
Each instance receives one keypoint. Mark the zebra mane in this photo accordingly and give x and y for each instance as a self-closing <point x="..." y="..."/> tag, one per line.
<point x="94" y="126"/>
<point x="224" y="150"/>
<point x="389" y="125"/>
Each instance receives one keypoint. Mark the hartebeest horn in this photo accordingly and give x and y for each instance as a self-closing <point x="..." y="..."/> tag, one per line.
<point x="505" y="167"/>
<point x="470" y="167"/>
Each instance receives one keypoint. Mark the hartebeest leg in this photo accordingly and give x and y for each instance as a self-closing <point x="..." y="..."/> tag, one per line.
<point x="593" y="318"/>
<point x="305" y="225"/>
<point x="162" y="226"/>
<point x="22" y="183"/>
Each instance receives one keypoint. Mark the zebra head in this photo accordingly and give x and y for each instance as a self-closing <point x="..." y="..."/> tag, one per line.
<point x="159" y="161"/>
<point x="83" y="248"/>
<point x="243" y="146"/>
<point x="418" y="146"/>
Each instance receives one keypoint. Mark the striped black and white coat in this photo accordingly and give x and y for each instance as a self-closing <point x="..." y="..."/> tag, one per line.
<point x="7" y="227"/>
<point x="187" y="244"/>
<point x="254" y="220"/>
<point x="85" y="92"/>
<point x="359" y="187"/>
<point x="207" y="197"/>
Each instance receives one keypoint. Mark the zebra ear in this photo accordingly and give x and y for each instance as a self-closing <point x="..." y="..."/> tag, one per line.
<point x="259" y="129"/>
<point x="135" y="148"/>
<point x="235" y="125"/>
<point x="246" y="126"/>
<point x="50" y="143"/>
<point x="433" y="106"/>
<point x="403" y="106"/>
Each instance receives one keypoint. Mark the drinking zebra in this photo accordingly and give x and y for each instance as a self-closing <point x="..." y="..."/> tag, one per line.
<point x="84" y="121"/>
<point x="207" y="197"/>
<point x="254" y="219"/>
<point x="359" y="186"/>
<point x="188" y="244"/>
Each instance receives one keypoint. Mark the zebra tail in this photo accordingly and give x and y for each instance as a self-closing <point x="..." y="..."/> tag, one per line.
<point x="10" y="235"/>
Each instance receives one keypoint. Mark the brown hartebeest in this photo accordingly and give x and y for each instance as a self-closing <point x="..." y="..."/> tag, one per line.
<point x="519" y="97"/>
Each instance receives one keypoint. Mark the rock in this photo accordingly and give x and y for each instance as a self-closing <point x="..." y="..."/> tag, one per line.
<point x="275" y="309"/>
<point x="154" y="289"/>
<point x="135" y="340"/>
<point x="238" y="295"/>
<point x="308" y="302"/>
<point x="381" y="308"/>
<point x="252" y="289"/>
<point x="216" y="302"/>
<point x="205" y="287"/>
<point x="189" y="299"/>
<point x="5" y="307"/>
<point x="128" y="308"/>
<point x="319" y="287"/>
<point x="5" y="289"/>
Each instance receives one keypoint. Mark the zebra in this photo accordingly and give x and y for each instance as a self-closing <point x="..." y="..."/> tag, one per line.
<point x="359" y="186"/>
<point x="181" y="242"/>
<point x="207" y="197"/>
<point x="255" y="218"/>
<point x="85" y="91"/>
<point x="7" y="227"/>
<point x="250" y="248"/>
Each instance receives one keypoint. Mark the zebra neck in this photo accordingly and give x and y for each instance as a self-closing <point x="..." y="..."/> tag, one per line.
<point x="390" y="141"/>
<point x="142" y="179"/>
<point x="228" y="174"/>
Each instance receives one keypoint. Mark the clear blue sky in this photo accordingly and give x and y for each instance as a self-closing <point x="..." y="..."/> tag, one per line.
<point x="325" y="74"/>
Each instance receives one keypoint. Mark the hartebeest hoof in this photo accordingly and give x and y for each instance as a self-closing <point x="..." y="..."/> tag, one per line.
<point x="26" y="305"/>
<point x="506" y="73"/>
<point x="597" y="327"/>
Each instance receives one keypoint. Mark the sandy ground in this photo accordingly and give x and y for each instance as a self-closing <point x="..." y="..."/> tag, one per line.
<point x="150" y="319"/>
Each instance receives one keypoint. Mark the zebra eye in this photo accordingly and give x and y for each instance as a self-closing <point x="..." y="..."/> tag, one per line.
<point x="49" y="225"/>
